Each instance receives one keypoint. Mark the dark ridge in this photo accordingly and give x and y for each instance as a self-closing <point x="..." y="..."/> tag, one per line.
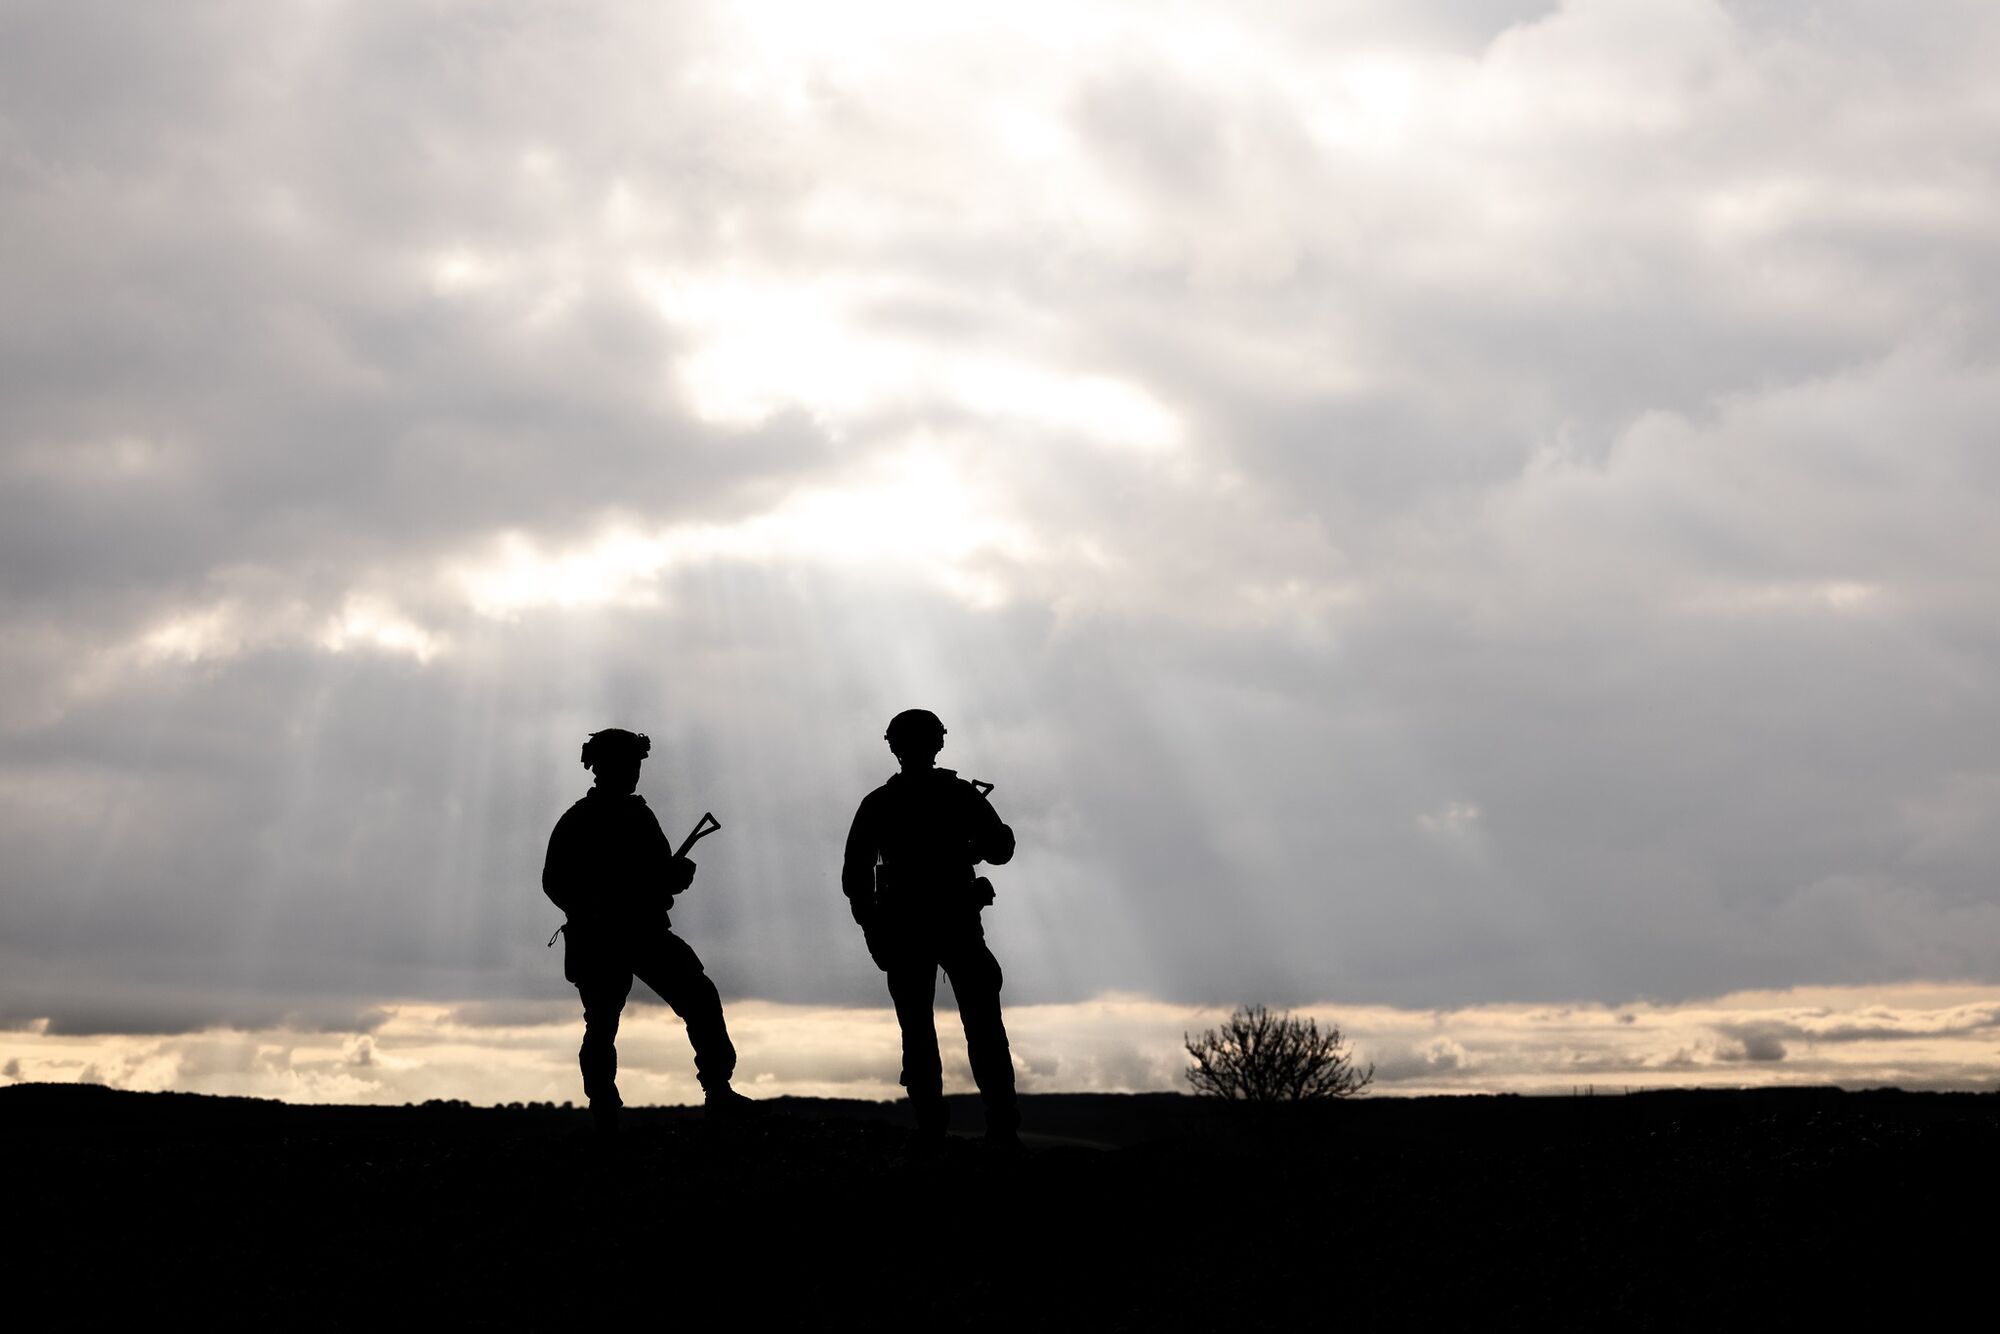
<point x="94" y="1105"/>
<point x="1670" y="1210"/>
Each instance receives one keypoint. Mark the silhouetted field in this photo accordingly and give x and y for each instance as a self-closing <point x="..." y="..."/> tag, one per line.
<point x="1688" y="1210"/>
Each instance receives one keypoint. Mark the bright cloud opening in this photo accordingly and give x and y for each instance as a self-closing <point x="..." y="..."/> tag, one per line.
<point x="914" y="516"/>
<point x="763" y="346"/>
<point x="366" y="622"/>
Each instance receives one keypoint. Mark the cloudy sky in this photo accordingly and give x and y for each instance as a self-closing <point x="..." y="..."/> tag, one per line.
<point x="1464" y="516"/>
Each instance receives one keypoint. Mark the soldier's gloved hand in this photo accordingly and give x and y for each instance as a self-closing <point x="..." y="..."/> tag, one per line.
<point x="680" y="874"/>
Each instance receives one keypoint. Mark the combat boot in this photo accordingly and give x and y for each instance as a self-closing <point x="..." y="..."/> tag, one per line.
<point x="723" y="1103"/>
<point x="933" y="1115"/>
<point x="1003" y="1127"/>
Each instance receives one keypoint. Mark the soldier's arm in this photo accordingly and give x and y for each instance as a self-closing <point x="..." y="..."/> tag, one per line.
<point x="992" y="840"/>
<point x="558" y="867"/>
<point x="677" y="873"/>
<point x="857" y="868"/>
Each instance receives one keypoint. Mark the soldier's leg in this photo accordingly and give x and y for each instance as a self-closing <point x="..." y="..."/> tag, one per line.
<point x="603" y="994"/>
<point x="913" y="988"/>
<point x="670" y="966"/>
<point x="975" y="980"/>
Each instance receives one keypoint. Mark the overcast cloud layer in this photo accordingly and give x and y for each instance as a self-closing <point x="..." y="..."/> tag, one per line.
<point x="1417" y="505"/>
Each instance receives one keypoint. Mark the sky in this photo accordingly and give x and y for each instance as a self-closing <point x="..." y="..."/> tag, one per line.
<point x="1468" y="519"/>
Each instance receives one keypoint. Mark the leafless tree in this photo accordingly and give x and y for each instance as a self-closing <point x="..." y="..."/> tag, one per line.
<point x="1258" y="1056"/>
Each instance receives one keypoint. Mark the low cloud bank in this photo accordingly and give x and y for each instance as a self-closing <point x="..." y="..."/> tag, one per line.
<point x="1913" y="1036"/>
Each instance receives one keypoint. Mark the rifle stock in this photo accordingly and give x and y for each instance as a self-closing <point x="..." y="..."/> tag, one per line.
<point x="703" y="827"/>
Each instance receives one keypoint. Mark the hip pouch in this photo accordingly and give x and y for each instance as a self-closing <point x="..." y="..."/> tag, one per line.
<point x="904" y="894"/>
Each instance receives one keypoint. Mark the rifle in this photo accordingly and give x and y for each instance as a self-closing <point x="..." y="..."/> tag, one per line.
<point x="703" y="827"/>
<point x="982" y="887"/>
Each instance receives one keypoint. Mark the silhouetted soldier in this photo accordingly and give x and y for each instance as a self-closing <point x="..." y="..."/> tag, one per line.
<point x="927" y="827"/>
<point x="614" y="875"/>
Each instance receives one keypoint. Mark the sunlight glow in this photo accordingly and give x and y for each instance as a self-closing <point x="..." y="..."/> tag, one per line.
<point x="785" y="37"/>
<point x="234" y="626"/>
<point x="1837" y="596"/>
<point x="190" y="636"/>
<point x="366" y="622"/>
<point x="1374" y="110"/>
<point x="463" y="269"/>
<point x="617" y="570"/>
<point x="1105" y="409"/>
<point x="763" y="346"/>
<point x="1450" y="820"/>
<point x="912" y="516"/>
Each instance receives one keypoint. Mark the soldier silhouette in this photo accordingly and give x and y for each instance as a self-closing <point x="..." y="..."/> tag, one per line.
<point x="614" y="875"/>
<point x="908" y="877"/>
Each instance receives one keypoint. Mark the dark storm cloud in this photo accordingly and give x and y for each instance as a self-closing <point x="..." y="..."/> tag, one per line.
<point x="1887" y="1027"/>
<point x="1752" y="1043"/>
<point x="115" y="1005"/>
<point x="1419" y="504"/>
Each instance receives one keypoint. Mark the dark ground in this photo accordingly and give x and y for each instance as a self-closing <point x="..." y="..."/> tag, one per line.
<point x="1666" y="1210"/>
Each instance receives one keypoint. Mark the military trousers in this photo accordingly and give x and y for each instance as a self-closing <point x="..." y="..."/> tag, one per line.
<point x="914" y="951"/>
<point x="667" y="964"/>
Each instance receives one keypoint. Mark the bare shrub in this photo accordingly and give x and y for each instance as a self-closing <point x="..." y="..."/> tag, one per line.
<point x="1258" y="1056"/>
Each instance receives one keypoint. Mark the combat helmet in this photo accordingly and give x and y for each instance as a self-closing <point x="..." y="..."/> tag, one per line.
<point x="915" y="729"/>
<point x="615" y="743"/>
